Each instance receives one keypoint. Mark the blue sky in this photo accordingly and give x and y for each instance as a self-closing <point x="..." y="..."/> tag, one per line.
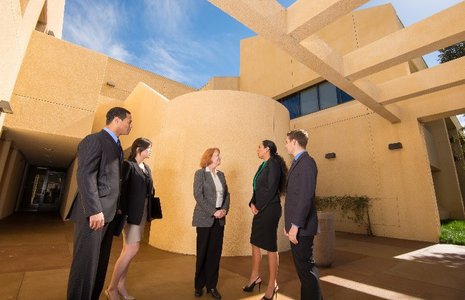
<point x="189" y="41"/>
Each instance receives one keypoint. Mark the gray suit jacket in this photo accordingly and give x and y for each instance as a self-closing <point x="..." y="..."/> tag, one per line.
<point x="205" y="196"/>
<point x="299" y="208"/>
<point x="98" y="178"/>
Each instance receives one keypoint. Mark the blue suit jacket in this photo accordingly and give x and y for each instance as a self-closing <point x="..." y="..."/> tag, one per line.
<point x="299" y="208"/>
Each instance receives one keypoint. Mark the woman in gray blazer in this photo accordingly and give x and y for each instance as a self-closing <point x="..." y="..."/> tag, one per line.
<point x="212" y="197"/>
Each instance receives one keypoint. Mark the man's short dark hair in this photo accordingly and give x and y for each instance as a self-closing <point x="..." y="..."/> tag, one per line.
<point x="300" y="135"/>
<point x="117" y="112"/>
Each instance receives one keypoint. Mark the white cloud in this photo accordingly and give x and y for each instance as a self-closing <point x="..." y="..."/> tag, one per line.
<point x="169" y="17"/>
<point x="95" y="25"/>
<point x="164" y="62"/>
<point x="184" y="60"/>
<point x="160" y="36"/>
<point x="173" y="50"/>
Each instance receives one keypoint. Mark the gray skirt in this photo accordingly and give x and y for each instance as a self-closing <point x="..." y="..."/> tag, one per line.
<point x="134" y="233"/>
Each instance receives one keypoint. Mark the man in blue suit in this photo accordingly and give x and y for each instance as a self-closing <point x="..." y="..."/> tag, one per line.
<point x="300" y="218"/>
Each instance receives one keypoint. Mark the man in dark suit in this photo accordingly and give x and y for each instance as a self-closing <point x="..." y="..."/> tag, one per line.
<point x="300" y="218"/>
<point x="98" y="178"/>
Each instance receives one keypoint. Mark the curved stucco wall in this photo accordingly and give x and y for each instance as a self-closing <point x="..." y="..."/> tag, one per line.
<point x="233" y="121"/>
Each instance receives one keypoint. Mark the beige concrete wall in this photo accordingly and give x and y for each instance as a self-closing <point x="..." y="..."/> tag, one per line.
<point x="430" y="146"/>
<point x="69" y="82"/>
<point x="398" y="181"/>
<point x="11" y="183"/>
<point x="18" y="23"/>
<point x="268" y="70"/>
<point x="181" y="130"/>
<point x="57" y="79"/>
<point x="222" y="83"/>
<point x="235" y="122"/>
<point x="446" y="182"/>
<point x="147" y="108"/>
<point x="126" y="78"/>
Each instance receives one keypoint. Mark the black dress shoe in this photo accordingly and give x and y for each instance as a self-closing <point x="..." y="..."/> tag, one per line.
<point x="215" y="294"/>
<point x="198" y="293"/>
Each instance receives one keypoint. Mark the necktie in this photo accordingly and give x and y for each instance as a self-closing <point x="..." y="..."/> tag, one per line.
<point x="293" y="163"/>
<point x="120" y="149"/>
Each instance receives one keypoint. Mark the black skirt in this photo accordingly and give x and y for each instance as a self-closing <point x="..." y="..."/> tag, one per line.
<point x="265" y="227"/>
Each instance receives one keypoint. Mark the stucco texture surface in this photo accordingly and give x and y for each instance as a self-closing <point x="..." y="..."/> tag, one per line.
<point x="233" y="121"/>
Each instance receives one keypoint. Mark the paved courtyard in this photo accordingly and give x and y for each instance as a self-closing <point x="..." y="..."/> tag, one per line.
<point x="35" y="254"/>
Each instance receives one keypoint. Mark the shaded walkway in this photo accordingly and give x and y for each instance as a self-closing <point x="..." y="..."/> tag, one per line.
<point x="35" y="254"/>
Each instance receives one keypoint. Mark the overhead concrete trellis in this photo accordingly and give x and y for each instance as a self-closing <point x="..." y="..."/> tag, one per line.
<point x="295" y="30"/>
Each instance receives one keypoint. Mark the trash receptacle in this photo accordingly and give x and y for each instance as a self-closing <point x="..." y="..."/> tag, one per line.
<point x="324" y="243"/>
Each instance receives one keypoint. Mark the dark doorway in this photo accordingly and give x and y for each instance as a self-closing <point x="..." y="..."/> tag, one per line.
<point x="42" y="190"/>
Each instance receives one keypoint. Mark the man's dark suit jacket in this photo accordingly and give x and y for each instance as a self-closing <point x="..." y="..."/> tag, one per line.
<point x="299" y="208"/>
<point x="98" y="178"/>
<point x="135" y="189"/>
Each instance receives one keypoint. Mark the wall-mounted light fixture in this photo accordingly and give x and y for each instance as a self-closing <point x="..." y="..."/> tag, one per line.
<point x="111" y="83"/>
<point x="394" y="146"/>
<point x="330" y="155"/>
<point x="5" y="107"/>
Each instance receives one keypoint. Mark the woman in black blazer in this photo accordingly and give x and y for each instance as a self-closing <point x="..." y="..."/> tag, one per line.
<point x="268" y="184"/>
<point x="137" y="185"/>
<point x="212" y="204"/>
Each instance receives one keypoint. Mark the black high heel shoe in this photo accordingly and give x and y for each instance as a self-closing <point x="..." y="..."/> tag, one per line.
<point x="275" y="294"/>
<point x="249" y="288"/>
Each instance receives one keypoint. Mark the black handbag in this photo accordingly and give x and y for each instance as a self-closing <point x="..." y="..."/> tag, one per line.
<point x="120" y="221"/>
<point x="155" y="206"/>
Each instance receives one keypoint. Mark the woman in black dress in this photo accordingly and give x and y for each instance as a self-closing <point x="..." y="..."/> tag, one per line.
<point x="268" y="185"/>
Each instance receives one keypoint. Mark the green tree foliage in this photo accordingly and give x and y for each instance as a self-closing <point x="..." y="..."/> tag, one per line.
<point x="451" y="52"/>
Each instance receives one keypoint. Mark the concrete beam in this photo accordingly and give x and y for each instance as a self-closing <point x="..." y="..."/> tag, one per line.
<point x="427" y="81"/>
<point x="266" y="18"/>
<point x="442" y="104"/>
<point x="328" y="63"/>
<point x="438" y="31"/>
<point x="306" y="17"/>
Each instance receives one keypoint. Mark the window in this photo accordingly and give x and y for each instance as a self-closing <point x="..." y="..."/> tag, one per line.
<point x="293" y="105"/>
<point x="314" y="98"/>
<point x="309" y="100"/>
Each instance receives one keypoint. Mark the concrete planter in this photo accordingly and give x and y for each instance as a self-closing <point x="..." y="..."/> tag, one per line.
<point x="324" y="243"/>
